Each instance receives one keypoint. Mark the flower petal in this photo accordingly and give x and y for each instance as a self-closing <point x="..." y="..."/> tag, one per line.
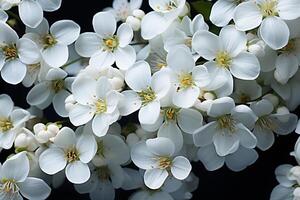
<point x="155" y="178"/>
<point x="52" y="160"/>
<point x="181" y="167"/>
<point x="245" y="66"/>
<point x="34" y="188"/>
<point x="31" y="13"/>
<point x="13" y="72"/>
<point x="247" y="16"/>
<point x="78" y="172"/>
<point x="16" y="167"/>
<point x="104" y="24"/>
<point x="65" y="31"/>
<point x="275" y="32"/>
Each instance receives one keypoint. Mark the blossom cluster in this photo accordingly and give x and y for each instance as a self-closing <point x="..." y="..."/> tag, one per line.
<point x="210" y="94"/>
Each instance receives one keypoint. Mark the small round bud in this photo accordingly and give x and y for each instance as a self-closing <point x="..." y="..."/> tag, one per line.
<point x="117" y="83"/>
<point x="39" y="127"/>
<point x="21" y="140"/>
<point x="138" y="13"/>
<point x="134" y="23"/>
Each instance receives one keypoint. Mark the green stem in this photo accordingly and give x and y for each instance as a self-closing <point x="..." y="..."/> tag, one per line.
<point x="70" y="63"/>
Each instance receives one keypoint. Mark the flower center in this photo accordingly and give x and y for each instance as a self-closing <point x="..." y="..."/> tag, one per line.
<point x="57" y="85"/>
<point x="72" y="155"/>
<point x="268" y="8"/>
<point x="9" y="186"/>
<point x="103" y="172"/>
<point x="226" y="122"/>
<point x="147" y="95"/>
<point x="265" y="122"/>
<point x="188" y="42"/>
<point x="5" y="125"/>
<point x="49" y="41"/>
<point x="170" y="114"/>
<point x="10" y="52"/>
<point x="185" y="81"/>
<point x="111" y="43"/>
<point x="164" y="162"/>
<point x="101" y="106"/>
<point x="289" y="48"/>
<point x="171" y="5"/>
<point x="223" y="59"/>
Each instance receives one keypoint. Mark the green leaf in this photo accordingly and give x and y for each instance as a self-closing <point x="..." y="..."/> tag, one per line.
<point x="203" y="7"/>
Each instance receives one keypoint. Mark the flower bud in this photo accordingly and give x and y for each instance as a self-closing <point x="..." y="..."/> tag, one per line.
<point x="134" y="23"/>
<point x="21" y="140"/>
<point x="138" y="13"/>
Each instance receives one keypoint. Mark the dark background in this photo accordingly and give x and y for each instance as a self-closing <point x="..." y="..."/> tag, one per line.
<point x="254" y="183"/>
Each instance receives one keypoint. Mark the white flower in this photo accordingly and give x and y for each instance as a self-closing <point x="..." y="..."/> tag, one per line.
<point x="103" y="182"/>
<point x="165" y="12"/>
<point x="122" y="8"/>
<point x="31" y="11"/>
<point x="222" y="12"/>
<point x="11" y="121"/>
<point x="184" y="33"/>
<point x="105" y="47"/>
<point x="237" y="161"/>
<point x="114" y="75"/>
<point x="71" y="152"/>
<point x="269" y="122"/>
<point x="288" y="186"/>
<point x="269" y="16"/>
<point x="246" y="91"/>
<point x="54" y="89"/>
<point x="226" y="55"/>
<point x="53" y="42"/>
<point x="14" y="180"/>
<point x="173" y="121"/>
<point x="15" y="53"/>
<point x="111" y="149"/>
<point x="156" y="157"/>
<point x="231" y="128"/>
<point x="146" y="92"/>
<point x="96" y="101"/>
<point x="186" y="77"/>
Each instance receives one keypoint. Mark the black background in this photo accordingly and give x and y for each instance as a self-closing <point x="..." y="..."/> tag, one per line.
<point x="254" y="183"/>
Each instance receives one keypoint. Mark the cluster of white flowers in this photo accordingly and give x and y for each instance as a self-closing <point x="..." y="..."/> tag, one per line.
<point x="198" y="95"/>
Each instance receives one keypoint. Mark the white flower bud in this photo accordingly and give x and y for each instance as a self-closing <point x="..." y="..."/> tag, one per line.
<point x="134" y="23"/>
<point x="272" y="98"/>
<point x="52" y="130"/>
<point x="117" y="83"/>
<point x="69" y="103"/>
<point x="39" y="127"/>
<point x="21" y="140"/>
<point x="43" y="136"/>
<point x="209" y="96"/>
<point x="138" y="13"/>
